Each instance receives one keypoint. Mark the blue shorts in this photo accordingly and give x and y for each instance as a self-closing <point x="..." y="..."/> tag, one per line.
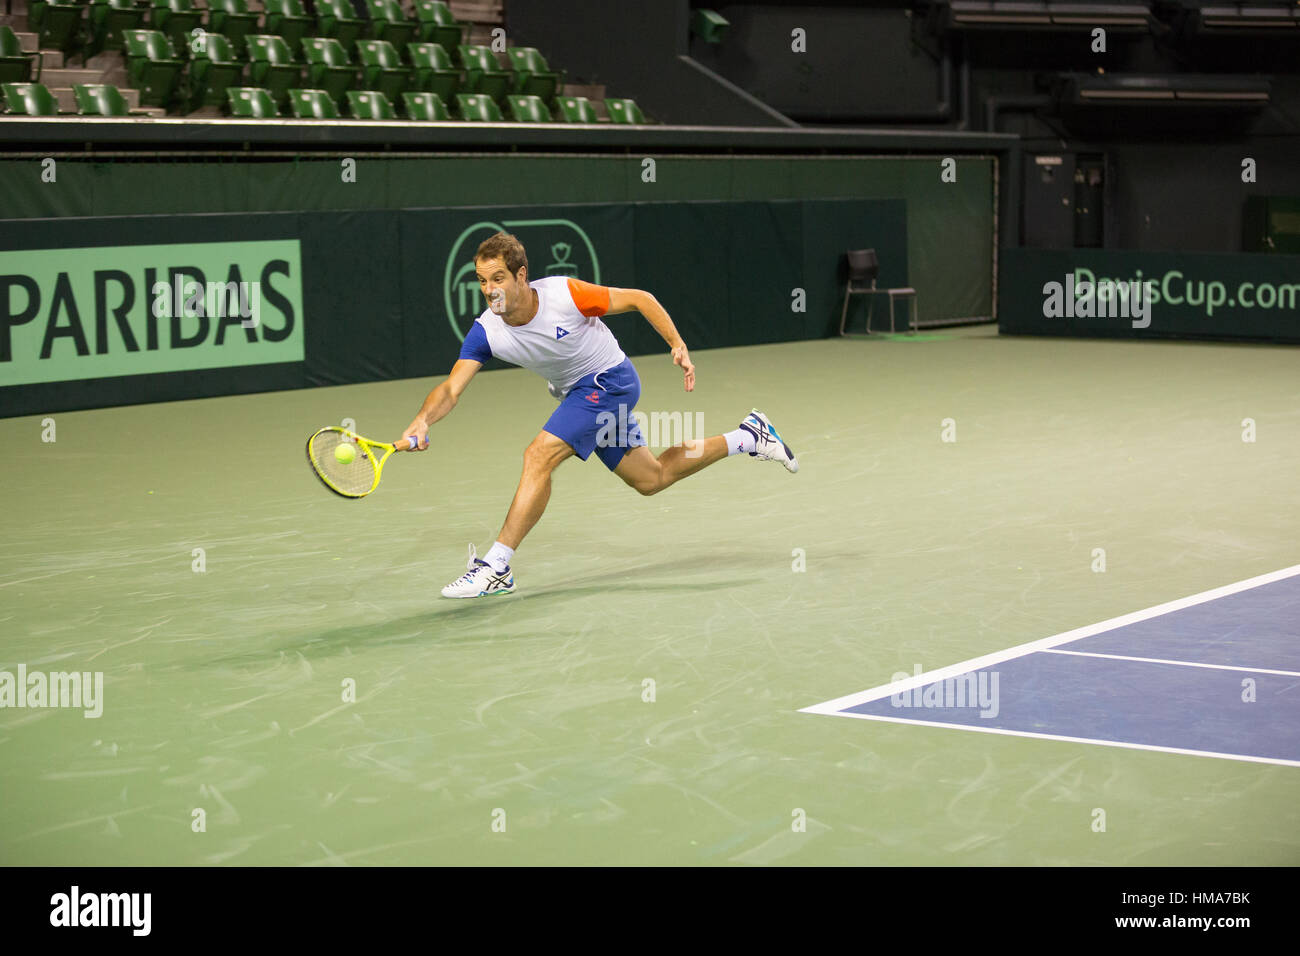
<point x="596" y="415"/>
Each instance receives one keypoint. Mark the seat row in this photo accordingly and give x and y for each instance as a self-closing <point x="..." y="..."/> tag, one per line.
<point x="34" y="99"/>
<point x="254" y="103"/>
<point x="92" y="99"/>
<point x="156" y="68"/>
<point x="88" y="27"/>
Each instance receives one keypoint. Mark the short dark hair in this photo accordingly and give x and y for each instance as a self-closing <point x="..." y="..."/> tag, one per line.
<point x="504" y="246"/>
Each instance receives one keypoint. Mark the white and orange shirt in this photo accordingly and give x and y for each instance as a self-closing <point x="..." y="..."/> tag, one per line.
<point x="564" y="342"/>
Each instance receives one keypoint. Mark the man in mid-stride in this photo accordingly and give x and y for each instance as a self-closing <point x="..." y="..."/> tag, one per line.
<point x="552" y="326"/>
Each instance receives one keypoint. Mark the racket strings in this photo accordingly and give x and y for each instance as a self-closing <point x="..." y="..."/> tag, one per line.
<point x="355" y="477"/>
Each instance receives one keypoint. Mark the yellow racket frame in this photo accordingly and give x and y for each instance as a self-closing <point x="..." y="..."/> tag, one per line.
<point x="365" y="446"/>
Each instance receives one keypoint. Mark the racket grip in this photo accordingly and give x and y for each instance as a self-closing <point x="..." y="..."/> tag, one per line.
<point x="415" y="443"/>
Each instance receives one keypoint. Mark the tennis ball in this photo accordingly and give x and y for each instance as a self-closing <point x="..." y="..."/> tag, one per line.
<point x="345" y="454"/>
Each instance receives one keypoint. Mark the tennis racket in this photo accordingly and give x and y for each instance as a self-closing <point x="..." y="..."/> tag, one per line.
<point x="346" y="463"/>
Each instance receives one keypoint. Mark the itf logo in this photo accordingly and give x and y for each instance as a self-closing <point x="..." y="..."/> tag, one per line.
<point x="556" y="247"/>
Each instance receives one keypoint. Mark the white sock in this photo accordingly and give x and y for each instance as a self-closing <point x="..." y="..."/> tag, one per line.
<point x="741" y="441"/>
<point x="499" y="556"/>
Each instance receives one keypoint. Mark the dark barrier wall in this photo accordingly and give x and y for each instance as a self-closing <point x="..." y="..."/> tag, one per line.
<point x="1173" y="167"/>
<point x="1191" y="196"/>
<point x="364" y="296"/>
<point x="862" y="63"/>
<point x="1213" y="296"/>
<point x="949" y="224"/>
<point x="636" y="48"/>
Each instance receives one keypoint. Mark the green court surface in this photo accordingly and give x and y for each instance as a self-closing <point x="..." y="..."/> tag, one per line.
<point x="223" y="689"/>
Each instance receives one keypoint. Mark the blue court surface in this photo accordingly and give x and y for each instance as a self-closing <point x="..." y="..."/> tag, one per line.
<point x="1216" y="674"/>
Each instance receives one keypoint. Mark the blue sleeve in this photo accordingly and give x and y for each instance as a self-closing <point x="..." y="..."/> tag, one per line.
<point x="475" y="347"/>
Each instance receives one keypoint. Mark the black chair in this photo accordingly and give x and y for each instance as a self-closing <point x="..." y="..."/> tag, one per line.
<point x="864" y="267"/>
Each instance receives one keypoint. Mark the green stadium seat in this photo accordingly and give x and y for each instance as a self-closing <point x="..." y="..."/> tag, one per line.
<point x="709" y="25"/>
<point x="370" y="105"/>
<point x="288" y="19"/>
<point x="432" y="70"/>
<point x="439" y="25"/>
<point x="624" y="111"/>
<point x="232" y="19"/>
<point x="175" y="19"/>
<point x="328" y="66"/>
<point x="483" y="74"/>
<point x="57" y="22"/>
<point x="272" y="67"/>
<point x="335" y="18"/>
<point x="477" y="108"/>
<point x="108" y="18"/>
<point x="249" y="102"/>
<point x="30" y="99"/>
<point x="577" y="109"/>
<point x="526" y="108"/>
<point x="151" y="66"/>
<point x="382" y="69"/>
<point x="388" y="22"/>
<point x="214" y="67"/>
<point x="426" y="107"/>
<point x="96" y="99"/>
<point x="313" y="104"/>
<point x="532" y="74"/>
<point x="15" y="65"/>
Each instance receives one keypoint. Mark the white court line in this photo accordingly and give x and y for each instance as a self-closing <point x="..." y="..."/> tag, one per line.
<point x="833" y="707"/>
<point x="1161" y="660"/>
<point x="1079" y="740"/>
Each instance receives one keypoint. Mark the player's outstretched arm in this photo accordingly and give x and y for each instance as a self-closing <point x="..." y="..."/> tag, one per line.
<point x="441" y="400"/>
<point x="625" y="300"/>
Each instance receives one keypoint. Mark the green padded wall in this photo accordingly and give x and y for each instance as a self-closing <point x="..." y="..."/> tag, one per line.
<point x="950" y="225"/>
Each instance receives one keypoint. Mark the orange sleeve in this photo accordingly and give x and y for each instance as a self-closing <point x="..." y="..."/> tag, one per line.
<point x="591" y="300"/>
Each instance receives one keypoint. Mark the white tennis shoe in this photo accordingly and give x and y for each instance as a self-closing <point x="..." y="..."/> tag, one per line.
<point x="770" y="446"/>
<point x="480" y="580"/>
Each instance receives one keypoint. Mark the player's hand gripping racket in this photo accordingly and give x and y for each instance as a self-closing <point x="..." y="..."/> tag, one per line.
<point x="348" y="464"/>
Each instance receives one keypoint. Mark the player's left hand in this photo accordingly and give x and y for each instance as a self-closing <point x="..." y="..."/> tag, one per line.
<point x="683" y="358"/>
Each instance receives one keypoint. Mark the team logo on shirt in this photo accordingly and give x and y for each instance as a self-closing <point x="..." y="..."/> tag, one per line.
<point x="561" y="333"/>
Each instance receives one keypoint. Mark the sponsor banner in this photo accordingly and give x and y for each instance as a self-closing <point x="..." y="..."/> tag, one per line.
<point x="109" y="311"/>
<point x="1131" y="294"/>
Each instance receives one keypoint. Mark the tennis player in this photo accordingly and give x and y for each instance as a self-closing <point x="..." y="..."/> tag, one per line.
<point x="552" y="326"/>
